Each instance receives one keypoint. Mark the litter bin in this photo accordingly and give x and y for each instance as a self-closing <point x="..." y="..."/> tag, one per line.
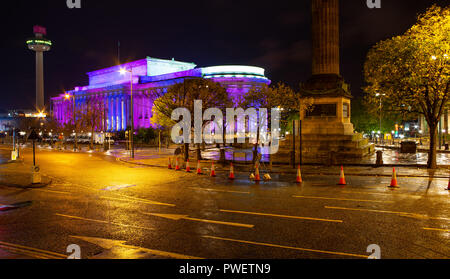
<point x="408" y="147"/>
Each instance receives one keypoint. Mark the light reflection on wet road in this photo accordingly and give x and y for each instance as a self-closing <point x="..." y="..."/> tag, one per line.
<point x="139" y="215"/>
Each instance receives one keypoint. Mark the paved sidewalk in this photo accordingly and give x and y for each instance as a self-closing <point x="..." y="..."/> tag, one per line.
<point x="18" y="175"/>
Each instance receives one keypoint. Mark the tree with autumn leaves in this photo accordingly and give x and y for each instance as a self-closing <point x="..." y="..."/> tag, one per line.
<point x="411" y="72"/>
<point x="184" y="95"/>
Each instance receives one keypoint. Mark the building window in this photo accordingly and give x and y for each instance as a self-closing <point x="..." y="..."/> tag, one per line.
<point x="346" y="110"/>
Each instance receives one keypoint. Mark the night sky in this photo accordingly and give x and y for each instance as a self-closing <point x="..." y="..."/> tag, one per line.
<point x="274" y="35"/>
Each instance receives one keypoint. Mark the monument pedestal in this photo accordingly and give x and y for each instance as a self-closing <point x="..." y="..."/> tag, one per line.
<point x="327" y="131"/>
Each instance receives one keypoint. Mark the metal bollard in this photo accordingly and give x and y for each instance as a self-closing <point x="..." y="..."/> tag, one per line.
<point x="379" y="162"/>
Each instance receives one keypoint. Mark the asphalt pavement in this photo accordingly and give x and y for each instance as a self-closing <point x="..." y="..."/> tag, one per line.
<point x="113" y="209"/>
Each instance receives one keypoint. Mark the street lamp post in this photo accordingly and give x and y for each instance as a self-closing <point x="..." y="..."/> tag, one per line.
<point x="124" y="71"/>
<point x="381" y="106"/>
<point x="75" y="142"/>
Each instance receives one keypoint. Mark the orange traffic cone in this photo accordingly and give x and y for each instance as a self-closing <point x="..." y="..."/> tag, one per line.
<point x="231" y="172"/>
<point x="394" y="183"/>
<point x="177" y="166"/>
<point x="199" y="168"/>
<point x="213" y="170"/>
<point x="299" y="175"/>
<point x="448" y="187"/>
<point x="188" y="168"/>
<point x="170" y="164"/>
<point x="342" y="179"/>
<point x="257" y="176"/>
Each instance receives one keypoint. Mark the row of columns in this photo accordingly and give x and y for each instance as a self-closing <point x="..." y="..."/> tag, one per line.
<point x="116" y="107"/>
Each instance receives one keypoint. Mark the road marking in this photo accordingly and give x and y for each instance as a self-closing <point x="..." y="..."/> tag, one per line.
<point x="405" y="214"/>
<point x="29" y="251"/>
<point x="286" y="247"/>
<point x="339" y="199"/>
<point x="217" y="190"/>
<point x="24" y="252"/>
<point x="131" y="199"/>
<point x="185" y="217"/>
<point x="110" y="243"/>
<point x="118" y="187"/>
<point x="51" y="191"/>
<point x="435" y="229"/>
<point x="281" y="216"/>
<point x="142" y="200"/>
<point x="384" y="194"/>
<point x="104" y="222"/>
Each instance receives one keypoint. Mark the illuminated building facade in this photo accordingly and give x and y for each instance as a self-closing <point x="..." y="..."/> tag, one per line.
<point x="150" y="76"/>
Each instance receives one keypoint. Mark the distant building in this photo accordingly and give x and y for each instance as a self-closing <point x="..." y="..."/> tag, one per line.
<point x="11" y="119"/>
<point x="6" y="122"/>
<point x="150" y="76"/>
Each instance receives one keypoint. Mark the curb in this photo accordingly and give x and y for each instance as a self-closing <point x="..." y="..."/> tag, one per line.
<point x="30" y="186"/>
<point x="313" y="174"/>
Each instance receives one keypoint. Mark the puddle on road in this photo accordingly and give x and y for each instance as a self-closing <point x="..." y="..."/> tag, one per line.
<point x="15" y="206"/>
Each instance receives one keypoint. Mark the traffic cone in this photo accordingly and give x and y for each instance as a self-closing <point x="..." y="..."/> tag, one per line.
<point x="170" y="164"/>
<point x="448" y="187"/>
<point x="213" y="170"/>
<point x="231" y="172"/>
<point x="177" y="167"/>
<point x="342" y="179"/>
<point x="299" y="175"/>
<point x="257" y="176"/>
<point x="199" y="168"/>
<point x="188" y="168"/>
<point x="394" y="183"/>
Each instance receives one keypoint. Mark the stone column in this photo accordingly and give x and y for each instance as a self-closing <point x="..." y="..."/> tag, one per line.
<point x="325" y="37"/>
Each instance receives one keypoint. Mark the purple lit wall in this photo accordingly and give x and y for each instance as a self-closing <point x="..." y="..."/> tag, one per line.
<point x="112" y="90"/>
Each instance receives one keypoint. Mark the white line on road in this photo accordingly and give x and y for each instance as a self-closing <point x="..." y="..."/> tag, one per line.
<point x="177" y="217"/>
<point x="286" y="247"/>
<point x="281" y="216"/>
<point x="218" y="190"/>
<point x="339" y="199"/>
<point x="405" y="214"/>
<point x="131" y="199"/>
<point x="104" y="222"/>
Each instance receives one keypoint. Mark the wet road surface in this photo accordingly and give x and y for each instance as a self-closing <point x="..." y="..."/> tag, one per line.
<point x="115" y="210"/>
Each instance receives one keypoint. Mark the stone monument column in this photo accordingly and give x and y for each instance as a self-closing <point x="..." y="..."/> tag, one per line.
<point x="327" y="132"/>
<point x="325" y="37"/>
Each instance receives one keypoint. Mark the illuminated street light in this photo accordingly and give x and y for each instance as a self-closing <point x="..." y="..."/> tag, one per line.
<point x="381" y="104"/>
<point x="67" y="97"/>
<point x="123" y="71"/>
